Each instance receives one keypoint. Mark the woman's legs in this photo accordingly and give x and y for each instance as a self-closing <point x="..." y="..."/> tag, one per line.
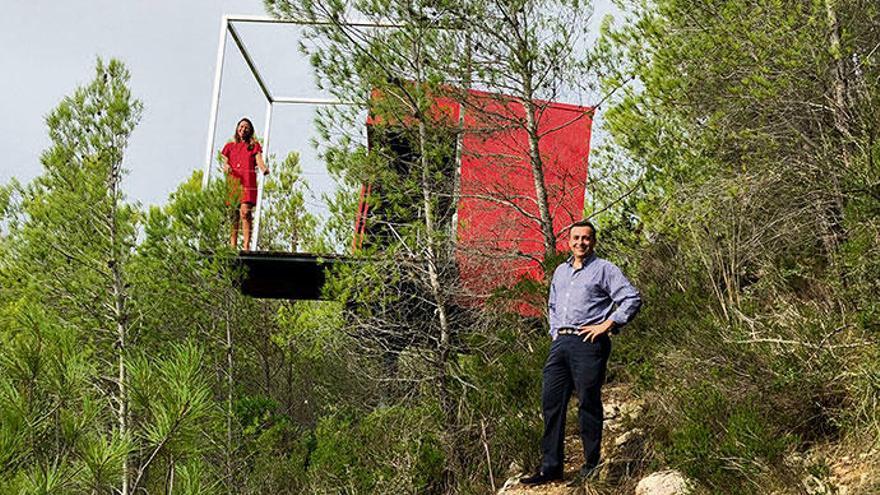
<point x="244" y="219"/>
<point x="246" y="214"/>
<point x="233" y="237"/>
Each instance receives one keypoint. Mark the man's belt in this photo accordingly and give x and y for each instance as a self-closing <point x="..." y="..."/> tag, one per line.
<point x="568" y="331"/>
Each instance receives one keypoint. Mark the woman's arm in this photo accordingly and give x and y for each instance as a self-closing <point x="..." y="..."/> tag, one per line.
<point x="262" y="164"/>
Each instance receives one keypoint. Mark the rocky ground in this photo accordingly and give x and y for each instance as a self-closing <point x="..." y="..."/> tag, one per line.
<point x="625" y="461"/>
<point x="622" y="451"/>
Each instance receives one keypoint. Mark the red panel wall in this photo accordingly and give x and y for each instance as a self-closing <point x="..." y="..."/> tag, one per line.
<point x="498" y="236"/>
<point x="499" y="239"/>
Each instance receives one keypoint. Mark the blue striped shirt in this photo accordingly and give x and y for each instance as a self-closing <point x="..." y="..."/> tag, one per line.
<point x="590" y="295"/>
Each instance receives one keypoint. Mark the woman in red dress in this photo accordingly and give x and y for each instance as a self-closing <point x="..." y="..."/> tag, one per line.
<point x="241" y="157"/>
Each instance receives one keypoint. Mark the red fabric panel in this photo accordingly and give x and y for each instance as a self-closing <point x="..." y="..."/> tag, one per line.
<point x="498" y="242"/>
<point x="499" y="239"/>
<point x="445" y="110"/>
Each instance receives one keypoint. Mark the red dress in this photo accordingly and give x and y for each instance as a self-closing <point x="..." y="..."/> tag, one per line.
<point x="243" y="168"/>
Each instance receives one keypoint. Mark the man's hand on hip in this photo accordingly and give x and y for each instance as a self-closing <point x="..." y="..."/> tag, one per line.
<point x="593" y="332"/>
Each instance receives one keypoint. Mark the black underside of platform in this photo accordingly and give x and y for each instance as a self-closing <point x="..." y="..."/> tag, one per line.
<point x="276" y="275"/>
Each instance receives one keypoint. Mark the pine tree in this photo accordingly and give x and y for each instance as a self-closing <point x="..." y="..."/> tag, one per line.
<point x="527" y="54"/>
<point x="92" y="410"/>
<point x="402" y="295"/>
<point x="80" y="231"/>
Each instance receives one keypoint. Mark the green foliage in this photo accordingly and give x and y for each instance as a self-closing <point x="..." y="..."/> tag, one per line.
<point x="285" y="220"/>
<point x="71" y="355"/>
<point x="58" y="319"/>
<point x="391" y="450"/>
<point x="190" y="479"/>
<point x="727" y="443"/>
<point x="173" y="399"/>
<point x="506" y="394"/>
<point x="723" y="191"/>
<point x="739" y="190"/>
<point x="103" y="456"/>
<point x="44" y="374"/>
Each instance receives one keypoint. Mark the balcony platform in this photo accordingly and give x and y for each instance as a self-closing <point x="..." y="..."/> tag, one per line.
<point x="283" y="275"/>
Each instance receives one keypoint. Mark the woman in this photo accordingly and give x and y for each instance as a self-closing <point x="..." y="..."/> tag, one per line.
<point x="241" y="157"/>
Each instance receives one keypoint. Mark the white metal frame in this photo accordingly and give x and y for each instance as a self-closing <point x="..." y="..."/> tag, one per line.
<point x="227" y="29"/>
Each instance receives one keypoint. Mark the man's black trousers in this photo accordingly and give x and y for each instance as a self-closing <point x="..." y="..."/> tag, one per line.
<point x="573" y="365"/>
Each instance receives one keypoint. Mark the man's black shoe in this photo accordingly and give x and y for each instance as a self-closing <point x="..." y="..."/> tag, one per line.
<point x="584" y="475"/>
<point x="540" y="478"/>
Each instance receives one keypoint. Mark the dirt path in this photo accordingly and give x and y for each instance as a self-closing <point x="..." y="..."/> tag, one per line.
<point x="617" y="440"/>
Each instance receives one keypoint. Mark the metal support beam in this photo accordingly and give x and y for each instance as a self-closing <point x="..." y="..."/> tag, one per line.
<point x="274" y="20"/>
<point x="250" y="62"/>
<point x="215" y="101"/>
<point x="308" y="101"/>
<point x="227" y="26"/>
<point x="261" y="180"/>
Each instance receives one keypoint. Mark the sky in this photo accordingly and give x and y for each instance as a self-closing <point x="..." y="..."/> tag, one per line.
<point x="170" y="48"/>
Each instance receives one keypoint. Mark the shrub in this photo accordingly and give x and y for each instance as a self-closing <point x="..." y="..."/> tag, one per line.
<point x="392" y="450"/>
<point x="724" y="442"/>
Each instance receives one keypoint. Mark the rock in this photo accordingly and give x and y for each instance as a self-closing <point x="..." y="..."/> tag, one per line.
<point x="631" y="410"/>
<point x="664" y="483"/>
<point x="610" y="410"/>
<point x="815" y="486"/>
<point x="628" y="437"/>
<point x="620" y="414"/>
<point x="794" y="460"/>
<point x="508" y="486"/>
<point x="514" y="468"/>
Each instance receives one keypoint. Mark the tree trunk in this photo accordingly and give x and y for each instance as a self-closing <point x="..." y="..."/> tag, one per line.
<point x="836" y="232"/>
<point x="169" y="481"/>
<point x="537" y="166"/>
<point x="439" y="299"/>
<point x="526" y="53"/>
<point x="229" y="411"/>
<point x="123" y="403"/>
<point x="459" y="143"/>
<point x="119" y="314"/>
<point x="840" y="83"/>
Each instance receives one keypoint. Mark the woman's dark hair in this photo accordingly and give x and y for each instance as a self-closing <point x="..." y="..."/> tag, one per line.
<point x="249" y="135"/>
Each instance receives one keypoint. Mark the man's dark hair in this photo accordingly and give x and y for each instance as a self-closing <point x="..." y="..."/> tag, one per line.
<point x="584" y="223"/>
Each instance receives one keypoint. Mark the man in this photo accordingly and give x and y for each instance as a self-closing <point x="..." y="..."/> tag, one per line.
<point x="590" y="298"/>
